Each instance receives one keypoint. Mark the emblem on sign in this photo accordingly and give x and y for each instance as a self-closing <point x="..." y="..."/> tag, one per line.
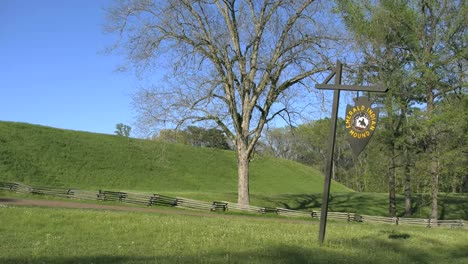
<point x="360" y="123"/>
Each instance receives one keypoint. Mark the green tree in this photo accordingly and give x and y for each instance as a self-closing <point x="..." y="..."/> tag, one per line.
<point x="195" y="136"/>
<point x="308" y="144"/>
<point x="430" y="37"/>
<point x="453" y="134"/>
<point x="122" y="130"/>
<point x="210" y="138"/>
<point x="172" y="136"/>
<point x="283" y="143"/>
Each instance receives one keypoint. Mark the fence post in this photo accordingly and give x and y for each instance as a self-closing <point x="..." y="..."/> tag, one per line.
<point x="122" y="196"/>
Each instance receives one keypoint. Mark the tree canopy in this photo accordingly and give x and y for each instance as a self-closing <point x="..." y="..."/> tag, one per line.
<point x="235" y="64"/>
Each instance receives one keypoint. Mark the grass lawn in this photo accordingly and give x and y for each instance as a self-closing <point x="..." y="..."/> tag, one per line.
<point x="44" y="156"/>
<point x="48" y="235"/>
<point x="451" y="206"/>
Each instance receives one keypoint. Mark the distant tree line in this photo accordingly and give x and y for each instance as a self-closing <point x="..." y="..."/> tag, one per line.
<point x="418" y="49"/>
<point x="195" y="136"/>
<point x="387" y="162"/>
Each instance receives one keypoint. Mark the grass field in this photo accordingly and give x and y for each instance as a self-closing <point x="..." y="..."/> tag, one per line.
<point x="452" y="206"/>
<point x="38" y="155"/>
<point x="44" y="156"/>
<point x="46" y="235"/>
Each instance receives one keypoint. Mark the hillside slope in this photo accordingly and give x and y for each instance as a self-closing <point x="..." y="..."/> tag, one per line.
<point x="39" y="155"/>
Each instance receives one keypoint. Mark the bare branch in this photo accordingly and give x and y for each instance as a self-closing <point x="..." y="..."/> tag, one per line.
<point x="232" y="60"/>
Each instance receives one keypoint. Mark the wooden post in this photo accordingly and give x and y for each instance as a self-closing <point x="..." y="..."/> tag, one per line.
<point x="337" y="87"/>
<point x="331" y="147"/>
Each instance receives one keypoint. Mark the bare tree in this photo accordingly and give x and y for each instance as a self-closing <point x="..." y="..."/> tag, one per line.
<point x="237" y="64"/>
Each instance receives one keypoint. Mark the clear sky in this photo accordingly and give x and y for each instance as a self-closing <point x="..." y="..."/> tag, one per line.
<point x="52" y="68"/>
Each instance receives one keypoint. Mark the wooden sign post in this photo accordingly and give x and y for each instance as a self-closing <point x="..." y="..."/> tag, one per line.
<point x="337" y="87"/>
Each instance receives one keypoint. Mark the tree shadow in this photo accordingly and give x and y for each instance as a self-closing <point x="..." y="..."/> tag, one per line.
<point x="454" y="205"/>
<point x="284" y="254"/>
<point x="7" y="200"/>
<point x="451" y="206"/>
<point x="357" y="203"/>
<point x="371" y="249"/>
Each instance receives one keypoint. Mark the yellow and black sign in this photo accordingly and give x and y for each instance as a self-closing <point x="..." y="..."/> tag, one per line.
<point x="360" y="123"/>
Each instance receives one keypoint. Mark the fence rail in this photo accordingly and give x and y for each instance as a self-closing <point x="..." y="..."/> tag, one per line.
<point x="193" y="204"/>
<point x="244" y="208"/>
<point x="162" y="200"/>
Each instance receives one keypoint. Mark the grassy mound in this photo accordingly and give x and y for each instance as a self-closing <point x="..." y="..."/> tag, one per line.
<point x="47" y="156"/>
<point x="44" y="156"/>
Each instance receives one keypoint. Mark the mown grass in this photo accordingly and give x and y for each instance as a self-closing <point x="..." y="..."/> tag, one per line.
<point x="47" y="235"/>
<point x="44" y="156"/>
<point x="451" y="206"/>
<point x="38" y="155"/>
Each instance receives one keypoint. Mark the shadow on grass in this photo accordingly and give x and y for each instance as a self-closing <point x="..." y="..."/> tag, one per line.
<point x="451" y="206"/>
<point x="362" y="203"/>
<point x="275" y="255"/>
<point x="366" y="250"/>
<point x="399" y="236"/>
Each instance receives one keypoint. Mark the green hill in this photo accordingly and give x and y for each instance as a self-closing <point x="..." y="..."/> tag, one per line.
<point x="39" y="155"/>
<point x="44" y="156"/>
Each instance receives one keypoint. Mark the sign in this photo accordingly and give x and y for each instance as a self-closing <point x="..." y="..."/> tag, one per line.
<point x="360" y="123"/>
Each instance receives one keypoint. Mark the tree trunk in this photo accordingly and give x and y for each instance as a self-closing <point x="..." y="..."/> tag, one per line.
<point x="435" y="186"/>
<point x="243" y="159"/>
<point x="434" y="164"/>
<point x="408" y="211"/>
<point x="391" y="186"/>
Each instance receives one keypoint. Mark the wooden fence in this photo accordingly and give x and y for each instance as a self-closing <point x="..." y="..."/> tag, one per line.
<point x="162" y="200"/>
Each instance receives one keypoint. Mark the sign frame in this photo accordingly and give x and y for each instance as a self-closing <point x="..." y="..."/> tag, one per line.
<point x="336" y="87"/>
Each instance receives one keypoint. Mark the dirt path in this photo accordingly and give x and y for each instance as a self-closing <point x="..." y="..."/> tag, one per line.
<point x="76" y="205"/>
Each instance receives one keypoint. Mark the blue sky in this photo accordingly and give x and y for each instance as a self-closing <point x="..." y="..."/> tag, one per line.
<point x="52" y="68"/>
